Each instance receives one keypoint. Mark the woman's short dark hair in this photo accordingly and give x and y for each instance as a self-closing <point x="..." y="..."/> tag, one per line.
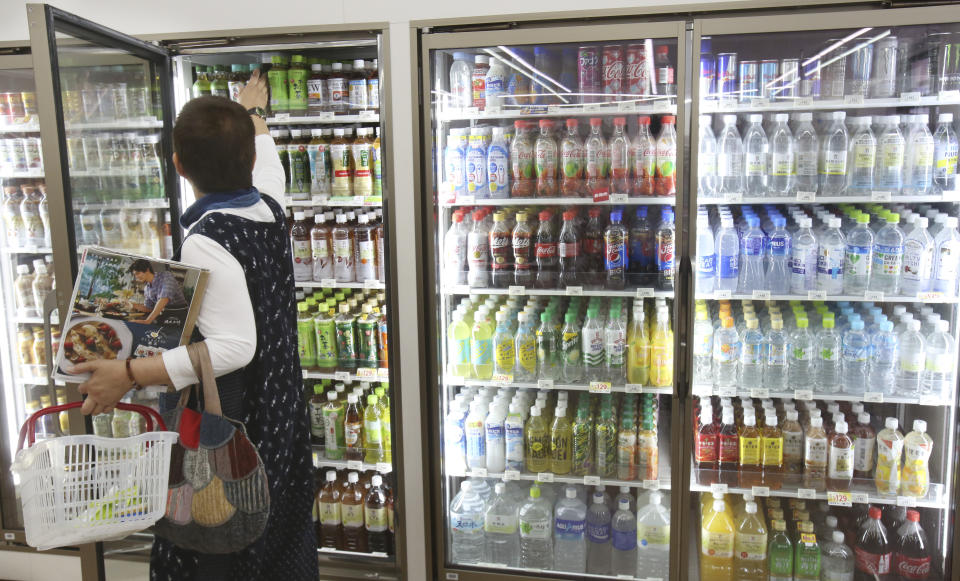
<point x="214" y="141"/>
<point x="141" y="265"/>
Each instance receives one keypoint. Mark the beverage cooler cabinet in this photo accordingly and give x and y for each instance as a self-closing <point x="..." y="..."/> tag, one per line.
<point x="550" y="205"/>
<point x="824" y="327"/>
<point x="111" y="109"/>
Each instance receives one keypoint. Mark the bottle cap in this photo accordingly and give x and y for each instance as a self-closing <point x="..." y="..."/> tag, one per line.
<point x="920" y="426"/>
<point x="838" y="536"/>
<point x="913" y="516"/>
<point x="840" y="427"/>
<point x="751" y="507"/>
<point x="875" y="512"/>
<point x="598" y="498"/>
<point x="891" y="423"/>
<point x="353" y="477"/>
<point x="816" y="422"/>
<point x="376" y="480"/>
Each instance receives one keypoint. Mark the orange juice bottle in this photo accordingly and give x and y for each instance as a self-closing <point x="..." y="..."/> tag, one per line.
<point x="716" y="544"/>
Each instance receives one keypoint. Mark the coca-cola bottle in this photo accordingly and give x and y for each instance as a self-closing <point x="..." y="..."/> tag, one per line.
<point x="597" y="153"/>
<point x="569" y="251"/>
<point x="571" y="162"/>
<point x="873" y="551"/>
<point x="615" y="252"/>
<point x="644" y="158"/>
<point x="546" y="249"/>
<point x="522" y="183"/>
<point x="619" y="158"/>
<point x="546" y="166"/>
<point x="591" y="266"/>
<point x="523" y="251"/>
<point x="501" y="252"/>
<point x="912" y="556"/>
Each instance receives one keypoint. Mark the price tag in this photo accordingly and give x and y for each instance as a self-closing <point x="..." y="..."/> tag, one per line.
<point x="835" y="498"/>
<point x="320" y="199"/>
<point x="384" y="467"/>
<point x="358" y="200"/>
<point x="860" y="497"/>
<point x="493" y="109"/>
<point x="759" y="101"/>
<point x="544" y="384"/>
<point x="461" y="289"/>
<point x="803" y="102"/>
<point x="545" y="477"/>
<point x="808" y="538"/>
<point x="328" y="282"/>
<point x="761" y="490"/>
<point x="281" y="117"/>
<point x="452" y="577"/>
<point x="661" y="106"/>
<point x="817" y="295"/>
<point x="327" y="116"/>
<point x="624" y="576"/>
<point x="733" y="198"/>
<point x="881" y="196"/>
<point x="727" y="391"/>
<point x="366" y="373"/>
<point x="371" y="283"/>
<point x="702" y="390"/>
<point x="554" y="109"/>
<point x="651" y="485"/>
<point x="471" y="110"/>
<point x="806" y="493"/>
<point x="873" y="396"/>
<point x="930" y="400"/>
<point x="761" y="295"/>
<point x="378" y="554"/>
<point x="618" y="198"/>
<point x="718" y="487"/>
<point x="503" y="379"/>
<point x="478" y="473"/>
<point x="908" y="501"/>
<point x="633" y="388"/>
<point x="930" y="296"/>
<point x="383" y="373"/>
<point x="511" y="475"/>
<point x="354" y="465"/>
<point x="341" y="376"/>
<point x="591" y="480"/>
<point x="708" y="106"/>
<point x="760" y="393"/>
<point x="645" y="293"/>
<point x="627" y="106"/>
<point x="912" y="98"/>
<point x="875" y="296"/>
<point x="600" y="387"/>
<point x="728" y="103"/>
<point x="574" y="291"/>
<point x="592" y="108"/>
<point x="8" y="536"/>
<point x="600" y="196"/>
<point x="945" y="96"/>
<point x="803" y="394"/>
<point x="806" y="196"/>
<point x="516" y="290"/>
<point x="722" y="294"/>
<point x="853" y="99"/>
<point x="455" y="380"/>
<point x="465" y="199"/>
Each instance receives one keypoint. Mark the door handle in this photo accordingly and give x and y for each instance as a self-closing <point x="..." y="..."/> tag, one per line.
<point x="49" y="306"/>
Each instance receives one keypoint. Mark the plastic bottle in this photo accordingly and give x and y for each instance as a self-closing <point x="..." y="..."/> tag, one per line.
<point x="665" y="251"/>
<point x="561" y="443"/>
<point x="525" y="345"/>
<point x="571" y="162"/>
<point x="615" y="347"/>
<point x="792" y="444"/>
<point x="780" y="550"/>
<point x="597" y="159"/>
<point x="494" y="438"/>
<point x="706" y="256"/>
<point x="598" y="535"/>
<point x="478" y="252"/>
<point x="454" y="161"/>
<point x="619" y="158"/>
<point x="568" y="251"/>
<point x="328" y="508"/>
<point x="750" y="547"/>
<point x="889" y="450"/>
<point x="523" y="251"/>
<point x="836" y="560"/>
<point x="717" y="544"/>
<point x="918" y="249"/>
<point x="938" y="376"/>
<point x="351" y="512"/>
<point x="841" y="458"/>
<point x="806" y="147"/>
<point x="476" y="164"/>
<point x="856" y="359"/>
<point x="802" y="356"/>
<point x="498" y="164"/>
<point x="862" y="156"/>
<point x="500" y="528"/>
<point x="475" y="435"/>
<point x="546" y="155"/>
<point x="945" y="258"/>
<point x="536" y="524"/>
<point x="703" y="333"/>
<point x="728" y="256"/>
<point x="548" y="349"/>
<point x="777" y="344"/>
<point x="513" y="438"/>
<point x="627" y="449"/>
<point x="830" y="259"/>
<point x="522" y="162"/>
<point x="888" y="257"/>
<point x="783" y="158"/>
<point x="884" y="356"/>
<point x="606" y="442"/>
<point x="918" y="160"/>
<point x="858" y="258"/>
<point x="751" y="442"/>
<point x="833" y="157"/>
<point x="804" y="253"/>
<point x="912" y="360"/>
<point x="375" y="516"/>
<point x="778" y="277"/>
<point x="815" y="455"/>
<point x="638" y="348"/>
<point x="546" y="253"/>
<point x="623" y="527"/>
<point x="615" y="252"/>
<point x="583" y="462"/>
<point x="569" y="544"/>
<point x="466" y="525"/>
<point x="752" y="250"/>
<point x="891" y="150"/>
<point x="917" y="447"/>
<point x="873" y="550"/>
<point x="726" y="355"/>
<point x="372" y="432"/>
<point x="707" y="159"/>
<point x="495" y="84"/>
<point x="461" y="83"/>
<point x="912" y="551"/>
<point x="945" y="149"/>
<point x="665" y="178"/>
<point x="752" y="356"/>
<point x="481" y="345"/>
<point x="864" y="445"/>
<point x="538" y="442"/>
<point x="807" y="554"/>
<point x="730" y="158"/>
<point x="653" y="538"/>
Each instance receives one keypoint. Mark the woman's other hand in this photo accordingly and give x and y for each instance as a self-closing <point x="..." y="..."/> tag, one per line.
<point x="107" y="385"/>
<point x="254" y="93"/>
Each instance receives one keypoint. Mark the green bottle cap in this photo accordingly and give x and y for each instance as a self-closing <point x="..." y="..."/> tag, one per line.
<point x="372" y="400"/>
<point x="318" y="389"/>
<point x="302" y="307"/>
<point x="238" y="68"/>
<point x="534" y="491"/>
<point x="297" y="58"/>
<point x="545" y="317"/>
<point x="570" y="317"/>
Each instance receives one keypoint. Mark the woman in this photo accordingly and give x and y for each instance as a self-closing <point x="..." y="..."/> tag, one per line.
<point x="248" y="320"/>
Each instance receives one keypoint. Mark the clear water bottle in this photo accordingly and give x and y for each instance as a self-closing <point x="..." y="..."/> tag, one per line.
<point x="913" y="359"/>
<point x="706" y="255"/>
<point x="856" y="360"/>
<point x="752" y="356"/>
<point x="807" y="149"/>
<point x="461" y="81"/>
<point x="756" y="149"/>
<point x="830" y="258"/>
<point x="730" y="158"/>
<point x="598" y="536"/>
<point x="884" y="355"/>
<point x="946" y="254"/>
<point x="702" y="348"/>
<point x="862" y="157"/>
<point x="836" y="559"/>
<point x="917" y="260"/>
<point x="775" y="372"/>
<point x="500" y="527"/>
<point x="802" y="356"/>
<point x="569" y="537"/>
<point x="653" y="539"/>
<point x="833" y="157"/>
<point x="753" y="275"/>
<point x="779" y="272"/>
<point x="783" y="158"/>
<point x="466" y="526"/>
<point x="888" y="257"/>
<point x="803" y="263"/>
<point x="918" y="164"/>
<point x="536" y="524"/>
<point x="623" y="559"/>
<point x="938" y="375"/>
<point x="858" y="257"/>
<point x="726" y="354"/>
<point x="829" y="349"/>
<point x="707" y="159"/>
<point x="945" y="148"/>
<point x="727" y="247"/>
<point x="891" y="152"/>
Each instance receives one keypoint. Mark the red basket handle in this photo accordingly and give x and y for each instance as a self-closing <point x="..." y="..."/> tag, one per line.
<point x="27" y="429"/>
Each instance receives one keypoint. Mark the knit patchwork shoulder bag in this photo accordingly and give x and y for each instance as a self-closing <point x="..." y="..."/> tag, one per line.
<point x="218" y="500"/>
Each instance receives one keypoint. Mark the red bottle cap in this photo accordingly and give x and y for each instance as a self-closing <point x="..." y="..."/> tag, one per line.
<point x="594" y="212"/>
<point x="544" y="215"/>
<point x="668" y="119"/>
<point x="875" y="512"/>
<point x="569" y="216"/>
<point x="619" y="121"/>
<point x="596" y="122"/>
<point x="478" y="215"/>
<point x="643" y="120"/>
<point x="546" y="123"/>
<point x="913" y="516"/>
<point x="571" y="123"/>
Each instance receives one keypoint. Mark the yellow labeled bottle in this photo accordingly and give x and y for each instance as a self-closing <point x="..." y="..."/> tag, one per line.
<point x="372" y="432"/>
<point x="638" y="348"/>
<point x="538" y="442"/>
<point x="458" y="346"/>
<point x="661" y="351"/>
<point x="716" y="544"/>
<point x="561" y="443"/>
<point x="889" y="450"/>
<point x="750" y="453"/>
<point x="750" y="562"/>
<point x="917" y="448"/>
<point x="772" y="453"/>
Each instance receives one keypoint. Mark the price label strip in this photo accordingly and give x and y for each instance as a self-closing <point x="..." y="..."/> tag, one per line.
<point x="806" y="493"/>
<point x="600" y="387"/>
<point x="591" y="480"/>
<point x="837" y="498"/>
<point x="511" y="475"/>
<point x="366" y="373"/>
<point x="545" y="477"/>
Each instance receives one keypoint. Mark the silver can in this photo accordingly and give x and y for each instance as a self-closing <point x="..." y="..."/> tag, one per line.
<point x="861" y="65"/>
<point x="833" y="75"/>
<point x="905" y="56"/>
<point x="884" y="83"/>
<point x="790" y="79"/>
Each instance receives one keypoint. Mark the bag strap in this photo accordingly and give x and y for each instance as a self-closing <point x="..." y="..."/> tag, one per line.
<point x="200" y="358"/>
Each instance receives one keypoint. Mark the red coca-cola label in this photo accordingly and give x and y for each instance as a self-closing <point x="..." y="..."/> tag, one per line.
<point x="705" y="449"/>
<point x="546" y="250"/>
<point x="913" y="567"/>
<point x="636" y="73"/>
<point x="871" y="563"/>
<point x="569" y="249"/>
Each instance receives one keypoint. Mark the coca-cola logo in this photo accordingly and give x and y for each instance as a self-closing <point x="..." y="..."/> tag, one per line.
<point x="613" y="71"/>
<point x="546" y="250"/>
<point x="913" y="567"/>
<point x="636" y="70"/>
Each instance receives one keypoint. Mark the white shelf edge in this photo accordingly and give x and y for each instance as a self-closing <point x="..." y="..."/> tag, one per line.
<point x="632" y="201"/>
<point x="701" y="390"/>
<point x="662" y="483"/>
<point x="949" y="197"/>
<point x="828" y="298"/>
<point x="322" y="119"/>
<point x="466" y="290"/>
<point x="872" y="497"/>
<point x="631" y="107"/>
<point x="721" y="106"/>
<point x="453" y="380"/>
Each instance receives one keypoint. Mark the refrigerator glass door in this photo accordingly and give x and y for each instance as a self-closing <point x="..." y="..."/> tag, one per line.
<point x="824" y="346"/>
<point x="553" y="194"/>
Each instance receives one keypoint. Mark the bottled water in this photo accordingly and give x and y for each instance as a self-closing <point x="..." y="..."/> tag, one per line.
<point x="461" y="81"/>
<point x="833" y="157"/>
<point x="569" y="545"/>
<point x="706" y="255"/>
<point x="476" y="436"/>
<point x="707" y="159"/>
<point x="891" y="150"/>
<point x="615" y="348"/>
<point x="913" y="357"/>
<point x="945" y="148"/>
<point x="455" y="445"/>
<point x="466" y="526"/>
<point x="856" y="361"/>
<point x="726" y="354"/>
<point x="888" y="257"/>
<point x="727" y="247"/>
<point x="779" y="272"/>
<point x="753" y="276"/>
<point x="593" y="343"/>
<point x="751" y="357"/>
<point x="624" y="530"/>
<point x="494" y="429"/>
<point x="918" y="165"/>
<point x="513" y="438"/>
<point x="598" y="535"/>
<point x="829" y="349"/>
<point x="783" y="158"/>
<point x="536" y="520"/>
<point x="756" y="148"/>
<point x="500" y="526"/>
<point x="858" y="257"/>
<point x="730" y="158"/>
<point x="917" y="260"/>
<point x="807" y="149"/>
<point x="938" y="375"/>
<point x="653" y="539"/>
<point x="802" y="356"/>
<point x="702" y="347"/>
<point x="837" y="561"/>
<point x="862" y="158"/>
<point x="777" y="347"/>
<point x="803" y="267"/>
<point x="945" y="256"/>
<point x="830" y="257"/>
<point x="884" y="354"/>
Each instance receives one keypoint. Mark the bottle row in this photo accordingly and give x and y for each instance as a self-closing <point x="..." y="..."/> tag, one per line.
<point x="505" y="162"/>
<point x="32" y="352"/>
<point x="849" y="348"/>
<point x="609" y="436"/>
<point x="530" y="248"/>
<point x="343" y="245"/>
<point x="568" y="340"/>
<point x="742" y="537"/>
<point x="840" y="250"/>
<point x="32" y="283"/>
<point x="125" y="228"/>
<point x="26" y="214"/>
<point x="569" y="75"/>
<point x="565" y="529"/>
<point x="343" y="330"/>
<point x="340" y="166"/>
<point x="354" y="425"/>
<point x="107" y="94"/>
<point x="21" y="155"/>
<point x="837" y="156"/>
<point x="750" y="442"/>
<point x="17" y="107"/>
<point x="355" y="512"/>
<point x="56" y="425"/>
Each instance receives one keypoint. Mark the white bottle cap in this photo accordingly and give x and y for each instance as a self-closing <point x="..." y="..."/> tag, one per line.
<point x="838" y="537"/>
<point x="840" y="427"/>
<point x="920" y="426"/>
<point x="839" y="115"/>
<point x="913" y="325"/>
<point x="756" y="118"/>
<point x="781" y="117"/>
<point x="891" y="423"/>
<point x="864" y="418"/>
<point x="945" y="118"/>
<point x="816" y="422"/>
<point x="353" y="477"/>
<point x="655" y="498"/>
<point x="465" y="486"/>
<point x="730" y="119"/>
<point x="376" y="480"/>
<point x="719" y="506"/>
<point x="750" y="507"/>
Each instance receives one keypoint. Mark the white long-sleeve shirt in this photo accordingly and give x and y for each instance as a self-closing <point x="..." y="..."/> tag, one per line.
<point x="226" y="314"/>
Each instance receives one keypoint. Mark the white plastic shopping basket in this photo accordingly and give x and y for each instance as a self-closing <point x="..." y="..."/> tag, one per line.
<point x="81" y="489"/>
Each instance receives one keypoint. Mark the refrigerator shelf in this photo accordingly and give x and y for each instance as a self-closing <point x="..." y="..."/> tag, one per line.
<point x="550" y="384"/>
<point x="29" y="250"/>
<point x="808" y="104"/>
<point x="871" y="296"/>
<point x="351" y="202"/>
<point x="812" y="198"/>
<point x="660" y="484"/>
<point x="324" y="119"/>
<point x="646" y="106"/>
<point x="35" y="320"/>
<point x="339" y="553"/>
<point x="640" y="293"/>
<point x="368" y="374"/>
<point x="320" y="462"/>
<point x="704" y="390"/>
<point x="115" y="125"/>
<point x="332" y="283"/>
<point x="33" y="126"/>
<point x="152" y="204"/>
<point x="615" y="200"/>
<point x="11" y="175"/>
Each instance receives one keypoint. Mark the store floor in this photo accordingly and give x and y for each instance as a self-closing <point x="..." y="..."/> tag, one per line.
<point x="30" y="566"/>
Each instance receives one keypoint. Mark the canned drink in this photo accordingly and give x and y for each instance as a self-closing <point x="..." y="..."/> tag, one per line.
<point x="769" y="70"/>
<point x="91" y="152"/>
<point x="833" y="76"/>
<point x="950" y="67"/>
<point x="6" y="163"/>
<point x="726" y="73"/>
<point x="936" y="45"/>
<point x="790" y="79"/>
<point x="31" y="152"/>
<point x="613" y="71"/>
<point x="810" y="78"/>
<point x="18" y="155"/>
<point x="884" y="83"/>
<point x="15" y="104"/>
<point x="861" y="65"/>
<point x="905" y="50"/>
<point x="638" y="69"/>
<point x="75" y="153"/>
<point x="749" y="80"/>
<point x="29" y="99"/>
<point x="588" y="73"/>
<point x="708" y="76"/>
